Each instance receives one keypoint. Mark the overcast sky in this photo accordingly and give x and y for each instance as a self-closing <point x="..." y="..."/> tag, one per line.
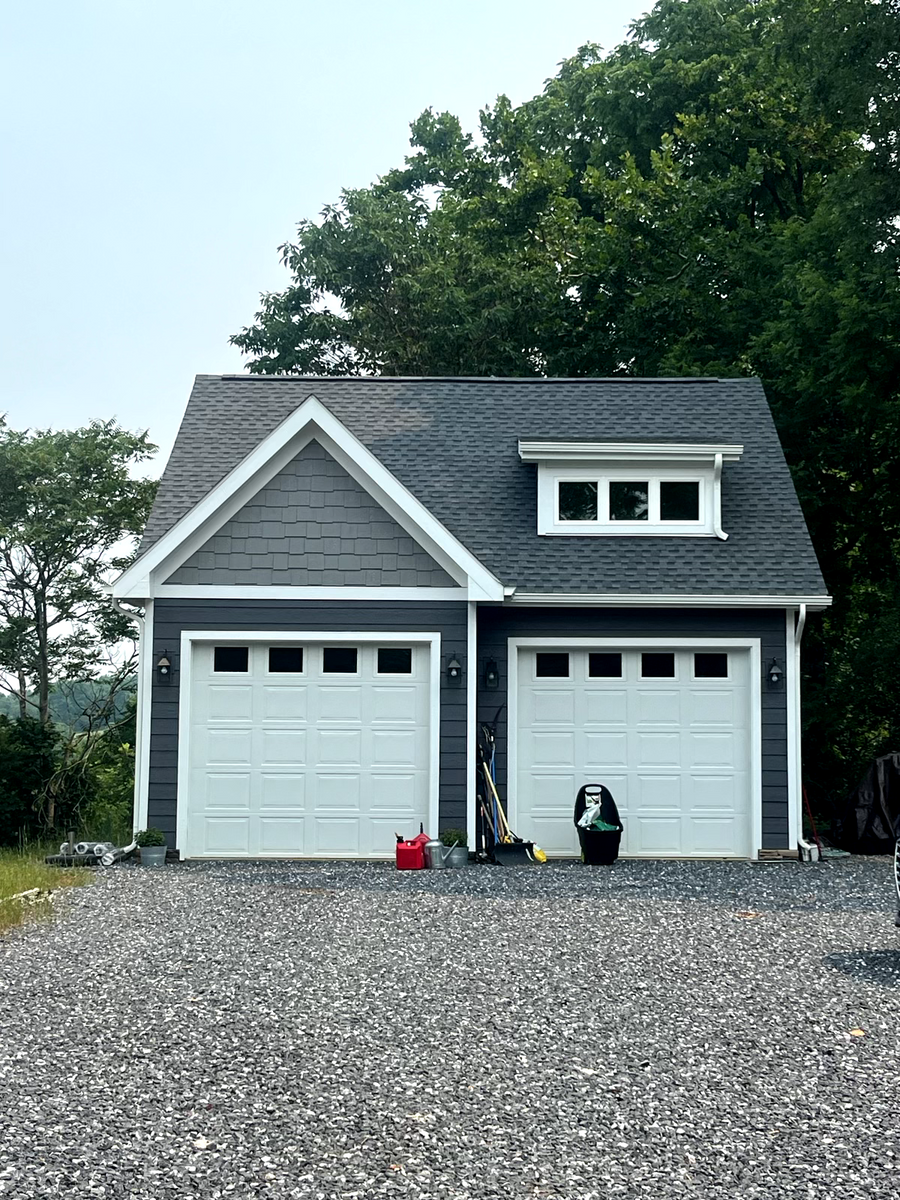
<point x="155" y="153"/>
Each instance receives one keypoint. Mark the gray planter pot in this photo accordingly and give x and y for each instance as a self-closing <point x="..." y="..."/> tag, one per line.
<point x="458" y="857"/>
<point x="153" y="856"/>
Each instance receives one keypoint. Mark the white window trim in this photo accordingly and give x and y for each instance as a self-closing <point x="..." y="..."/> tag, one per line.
<point x="289" y="645"/>
<point x="695" y="678"/>
<point x="550" y="524"/>
<point x="310" y="421"/>
<point x="673" y="678"/>
<point x="752" y="645"/>
<point x="190" y="637"/>
<point x="410" y="674"/>
<point x="568" y="677"/>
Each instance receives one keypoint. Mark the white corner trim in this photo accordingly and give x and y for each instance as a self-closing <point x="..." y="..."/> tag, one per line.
<point x="751" y="645"/>
<point x="669" y="452"/>
<point x="310" y="420"/>
<point x="191" y="636"/>
<point x="640" y="600"/>
<point x="216" y="591"/>
<point x="142" y="721"/>
<point x="717" y="500"/>
<point x="795" y="620"/>
<point x="471" y="717"/>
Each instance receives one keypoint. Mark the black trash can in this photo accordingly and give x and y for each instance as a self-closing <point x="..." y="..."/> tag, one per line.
<point x="599" y="847"/>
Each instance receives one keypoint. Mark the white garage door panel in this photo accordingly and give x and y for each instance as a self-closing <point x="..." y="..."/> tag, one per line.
<point x="313" y="765"/>
<point x="674" y="753"/>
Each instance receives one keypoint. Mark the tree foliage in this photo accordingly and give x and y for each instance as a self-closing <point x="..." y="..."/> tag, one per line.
<point x="70" y="511"/>
<point x="718" y="195"/>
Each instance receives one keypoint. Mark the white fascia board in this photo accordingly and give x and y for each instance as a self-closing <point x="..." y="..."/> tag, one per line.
<point x="596" y="600"/>
<point x="215" y="591"/>
<point x="253" y="472"/>
<point x="565" y="452"/>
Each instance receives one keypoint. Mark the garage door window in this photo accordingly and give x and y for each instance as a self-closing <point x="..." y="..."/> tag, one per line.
<point x="394" y="660"/>
<point x="339" y="660"/>
<point x="710" y="666"/>
<point x="285" y="660"/>
<point x="657" y="666"/>
<point x="231" y="658"/>
<point x="552" y="666"/>
<point x="605" y="666"/>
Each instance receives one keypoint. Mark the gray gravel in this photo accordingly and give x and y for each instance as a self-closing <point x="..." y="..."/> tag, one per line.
<point x="322" y="1030"/>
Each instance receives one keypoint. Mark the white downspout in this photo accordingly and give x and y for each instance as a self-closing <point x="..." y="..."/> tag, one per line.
<point x="717" y="500"/>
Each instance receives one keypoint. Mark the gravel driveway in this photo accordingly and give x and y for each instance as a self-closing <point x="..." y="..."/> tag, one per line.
<point x="300" y="1030"/>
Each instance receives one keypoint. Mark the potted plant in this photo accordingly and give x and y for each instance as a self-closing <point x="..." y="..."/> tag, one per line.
<point x="459" y="855"/>
<point x="152" y="845"/>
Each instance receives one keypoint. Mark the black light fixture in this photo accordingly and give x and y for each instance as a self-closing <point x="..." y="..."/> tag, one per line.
<point x="454" y="670"/>
<point x="491" y="675"/>
<point x="163" y="666"/>
<point x="775" y="673"/>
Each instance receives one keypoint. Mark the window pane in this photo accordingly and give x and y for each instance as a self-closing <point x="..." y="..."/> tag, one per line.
<point x="710" y="666"/>
<point x="628" y="501"/>
<point x="552" y="666"/>
<point x="679" y="501"/>
<point x="339" y="660"/>
<point x="287" y="660"/>
<point x="230" y="658"/>
<point x="394" y="660"/>
<point x="577" y="501"/>
<point x="658" y="666"/>
<point x="605" y="666"/>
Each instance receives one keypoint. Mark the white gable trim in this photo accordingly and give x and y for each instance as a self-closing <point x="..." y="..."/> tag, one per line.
<point x="310" y="421"/>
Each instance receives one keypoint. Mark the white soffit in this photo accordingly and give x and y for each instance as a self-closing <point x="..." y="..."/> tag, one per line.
<point x="645" y="452"/>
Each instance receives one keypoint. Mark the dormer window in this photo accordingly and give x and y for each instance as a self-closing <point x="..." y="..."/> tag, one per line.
<point x="627" y="489"/>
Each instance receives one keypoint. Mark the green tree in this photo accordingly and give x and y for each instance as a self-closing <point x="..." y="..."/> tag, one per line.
<point x="69" y="513"/>
<point x="718" y="195"/>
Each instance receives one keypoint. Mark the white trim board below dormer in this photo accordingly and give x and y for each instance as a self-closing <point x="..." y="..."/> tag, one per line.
<point x="311" y="421"/>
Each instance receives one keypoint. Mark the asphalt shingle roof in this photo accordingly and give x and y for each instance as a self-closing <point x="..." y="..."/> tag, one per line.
<point x="454" y="444"/>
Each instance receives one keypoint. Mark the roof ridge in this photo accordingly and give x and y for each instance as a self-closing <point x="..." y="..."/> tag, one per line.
<point x="485" y="378"/>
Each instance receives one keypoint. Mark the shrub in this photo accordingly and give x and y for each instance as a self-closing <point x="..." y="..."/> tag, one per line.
<point x="151" y="837"/>
<point x="449" y="836"/>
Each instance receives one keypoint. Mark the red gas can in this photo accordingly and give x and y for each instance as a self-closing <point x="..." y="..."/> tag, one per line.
<point x="411" y="854"/>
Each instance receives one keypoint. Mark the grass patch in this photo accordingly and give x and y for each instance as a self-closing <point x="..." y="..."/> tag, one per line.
<point x="21" y="872"/>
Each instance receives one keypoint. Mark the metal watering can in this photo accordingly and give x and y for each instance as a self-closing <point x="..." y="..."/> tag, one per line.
<point x="436" y="855"/>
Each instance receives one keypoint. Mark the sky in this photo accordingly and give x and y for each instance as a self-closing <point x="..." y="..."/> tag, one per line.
<point x="155" y="154"/>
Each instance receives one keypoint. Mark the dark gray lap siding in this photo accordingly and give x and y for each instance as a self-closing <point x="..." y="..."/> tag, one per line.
<point x="496" y="625"/>
<point x="171" y="617"/>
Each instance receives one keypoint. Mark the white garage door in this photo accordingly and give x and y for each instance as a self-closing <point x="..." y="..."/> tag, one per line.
<point x="308" y="750"/>
<point x="667" y="731"/>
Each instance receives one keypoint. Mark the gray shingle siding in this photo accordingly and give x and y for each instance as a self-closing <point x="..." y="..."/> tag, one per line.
<point x="312" y="525"/>
<point x="496" y="625"/>
<point x="453" y="444"/>
<point x="171" y="617"/>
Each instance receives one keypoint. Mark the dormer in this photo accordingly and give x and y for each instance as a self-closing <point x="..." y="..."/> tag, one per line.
<point x="629" y="489"/>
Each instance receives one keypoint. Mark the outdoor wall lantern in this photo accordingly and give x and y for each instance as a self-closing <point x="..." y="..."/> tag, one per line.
<point x="775" y="673"/>
<point x="454" y="670"/>
<point x="491" y="675"/>
<point x="163" y="667"/>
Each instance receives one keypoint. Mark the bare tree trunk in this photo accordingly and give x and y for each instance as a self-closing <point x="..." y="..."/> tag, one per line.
<point x="43" y="666"/>
<point x="22" y="696"/>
